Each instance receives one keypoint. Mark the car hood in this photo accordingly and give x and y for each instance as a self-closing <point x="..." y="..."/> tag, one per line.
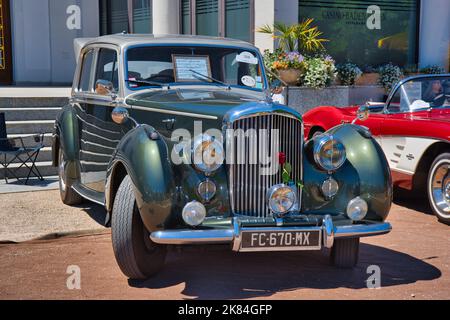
<point x="220" y="104"/>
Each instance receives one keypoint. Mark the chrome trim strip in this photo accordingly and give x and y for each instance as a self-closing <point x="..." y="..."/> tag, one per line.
<point x="192" y="236"/>
<point x="359" y="230"/>
<point x="179" y="113"/>
<point x="328" y="234"/>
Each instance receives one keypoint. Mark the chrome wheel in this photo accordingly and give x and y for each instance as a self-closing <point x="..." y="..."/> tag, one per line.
<point x="61" y="171"/>
<point x="439" y="187"/>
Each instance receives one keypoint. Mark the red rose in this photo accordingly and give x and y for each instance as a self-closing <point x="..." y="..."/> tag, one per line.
<point x="282" y="158"/>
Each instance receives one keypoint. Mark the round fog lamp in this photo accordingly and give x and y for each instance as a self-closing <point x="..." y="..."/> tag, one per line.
<point x="281" y="199"/>
<point x="207" y="190"/>
<point x="194" y="213"/>
<point x="357" y="209"/>
<point x="330" y="188"/>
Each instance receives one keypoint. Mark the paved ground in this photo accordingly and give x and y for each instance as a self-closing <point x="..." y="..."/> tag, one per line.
<point x="34" y="184"/>
<point x="32" y="215"/>
<point x="34" y="92"/>
<point x="414" y="261"/>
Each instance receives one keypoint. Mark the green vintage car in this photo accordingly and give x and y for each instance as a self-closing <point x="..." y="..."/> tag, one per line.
<point x="179" y="139"/>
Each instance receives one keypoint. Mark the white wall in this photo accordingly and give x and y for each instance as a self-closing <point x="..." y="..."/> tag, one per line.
<point x="42" y="41"/>
<point x="166" y="16"/>
<point x="434" y="39"/>
<point x="264" y="14"/>
<point x="31" y="41"/>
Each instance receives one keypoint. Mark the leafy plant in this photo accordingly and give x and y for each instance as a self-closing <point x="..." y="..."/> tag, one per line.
<point x="297" y="37"/>
<point x="389" y="76"/>
<point x="432" y="69"/>
<point x="318" y="72"/>
<point x="348" y="73"/>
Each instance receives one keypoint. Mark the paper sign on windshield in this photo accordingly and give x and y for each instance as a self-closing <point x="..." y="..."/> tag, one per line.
<point x="247" y="57"/>
<point x="184" y="64"/>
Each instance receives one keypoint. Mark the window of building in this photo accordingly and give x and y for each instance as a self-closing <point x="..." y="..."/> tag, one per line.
<point x="223" y="18"/>
<point x="237" y="19"/>
<point x="85" y="76"/>
<point x="107" y="67"/>
<point x="133" y="16"/>
<point x="207" y="17"/>
<point x="186" y="17"/>
<point x="366" y="32"/>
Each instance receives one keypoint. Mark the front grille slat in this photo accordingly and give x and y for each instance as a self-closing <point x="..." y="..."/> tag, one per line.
<point x="249" y="187"/>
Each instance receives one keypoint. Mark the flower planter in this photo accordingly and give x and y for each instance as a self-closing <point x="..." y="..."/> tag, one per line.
<point x="290" y="76"/>
<point x="368" y="79"/>
<point x="304" y="99"/>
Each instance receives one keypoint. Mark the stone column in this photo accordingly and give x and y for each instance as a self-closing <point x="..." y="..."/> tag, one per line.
<point x="166" y="16"/>
<point x="434" y="38"/>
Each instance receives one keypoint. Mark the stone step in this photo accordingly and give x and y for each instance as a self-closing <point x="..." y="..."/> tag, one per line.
<point x="45" y="155"/>
<point x="30" y="126"/>
<point x="45" y="169"/>
<point x="28" y="139"/>
<point x="18" y="102"/>
<point x="25" y="114"/>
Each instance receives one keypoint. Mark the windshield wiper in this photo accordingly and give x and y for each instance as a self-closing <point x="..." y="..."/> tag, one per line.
<point x="204" y="76"/>
<point x="150" y="83"/>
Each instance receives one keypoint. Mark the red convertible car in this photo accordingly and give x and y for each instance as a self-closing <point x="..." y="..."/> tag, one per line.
<point x="413" y="129"/>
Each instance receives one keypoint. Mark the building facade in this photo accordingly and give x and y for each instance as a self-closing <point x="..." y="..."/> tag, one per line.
<point x="36" y="36"/>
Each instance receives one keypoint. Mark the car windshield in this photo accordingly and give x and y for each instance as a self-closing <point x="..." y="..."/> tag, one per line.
<point x="421" y="93"/>
<point x="219" y="66"/>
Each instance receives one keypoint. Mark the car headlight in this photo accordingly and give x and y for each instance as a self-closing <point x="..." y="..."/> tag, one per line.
<point x="207" y="154"/>
<point x="194" y="213"/>
<point x="329" y="153"/>
<point x="357" y="209"/>
<point x="281" y="199"/>
<point x="330" y="188"/>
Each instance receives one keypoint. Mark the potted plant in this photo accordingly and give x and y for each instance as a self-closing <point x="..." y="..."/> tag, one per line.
<point x="348" y="73"/>
<point x="390" y="75"/>
<point x="287" y="61"/>
<point x="289" y="67"/>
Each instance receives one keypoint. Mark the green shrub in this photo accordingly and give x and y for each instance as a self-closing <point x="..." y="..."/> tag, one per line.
<point x="318" y="72"/>
<point x="389" y="76"/>
<point x="348" y="73"/>
<point x="432" y="69"/>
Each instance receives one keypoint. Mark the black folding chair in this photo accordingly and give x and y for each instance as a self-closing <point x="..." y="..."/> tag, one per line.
<point x="12" y="149"/>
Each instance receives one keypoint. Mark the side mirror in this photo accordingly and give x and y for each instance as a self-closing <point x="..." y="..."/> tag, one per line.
<point x="104" y="87"/>
<point x="120" y="115"/>
<point x="362" y="114"/>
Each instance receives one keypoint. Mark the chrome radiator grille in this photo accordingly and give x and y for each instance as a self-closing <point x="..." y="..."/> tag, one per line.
<point x="248" y="186"/>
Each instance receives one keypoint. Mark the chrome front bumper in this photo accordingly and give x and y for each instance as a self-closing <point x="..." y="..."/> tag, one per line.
<point x="328" y="232"/>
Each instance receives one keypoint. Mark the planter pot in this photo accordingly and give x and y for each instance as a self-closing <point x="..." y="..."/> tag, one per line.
<point x="368" y="79"/>
<point x="290" y="76"/>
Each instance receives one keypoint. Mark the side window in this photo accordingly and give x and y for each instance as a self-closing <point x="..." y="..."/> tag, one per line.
<point x="107" y="67"/>
<point x="85" y="76"/>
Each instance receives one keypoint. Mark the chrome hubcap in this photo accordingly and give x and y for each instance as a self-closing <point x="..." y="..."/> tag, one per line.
<point x="61" y="169"/>
<point x="440" y="187"/>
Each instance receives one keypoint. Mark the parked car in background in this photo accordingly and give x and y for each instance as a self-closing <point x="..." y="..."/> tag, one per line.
<point x="413" y="128"/>
<point x="179" y="139"/>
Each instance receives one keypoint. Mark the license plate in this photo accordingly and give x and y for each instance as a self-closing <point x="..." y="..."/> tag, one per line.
<point x="281" y="240"/>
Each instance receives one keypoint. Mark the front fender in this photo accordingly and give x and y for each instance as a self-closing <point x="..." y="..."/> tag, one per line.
<point x="148" y="164"/>
<point x="365" y="173"/>
<point x="67" y="133"/>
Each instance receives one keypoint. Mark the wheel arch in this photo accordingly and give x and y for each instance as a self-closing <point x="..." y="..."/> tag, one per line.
<point x="425" y="162"/>
<point x="314" y="129"/>
<point x="118" y="172"/>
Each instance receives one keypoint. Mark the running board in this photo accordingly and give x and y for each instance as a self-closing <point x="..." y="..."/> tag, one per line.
<point x="89" y="194"/>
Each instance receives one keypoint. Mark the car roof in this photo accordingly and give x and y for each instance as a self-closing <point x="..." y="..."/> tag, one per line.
<point x="126" y="40"/>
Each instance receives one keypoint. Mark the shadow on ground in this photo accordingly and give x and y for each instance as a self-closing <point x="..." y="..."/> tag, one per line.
<point x="95" y="211"/>
<point x="412" y="201"/>
<point x="226" y="275"/>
